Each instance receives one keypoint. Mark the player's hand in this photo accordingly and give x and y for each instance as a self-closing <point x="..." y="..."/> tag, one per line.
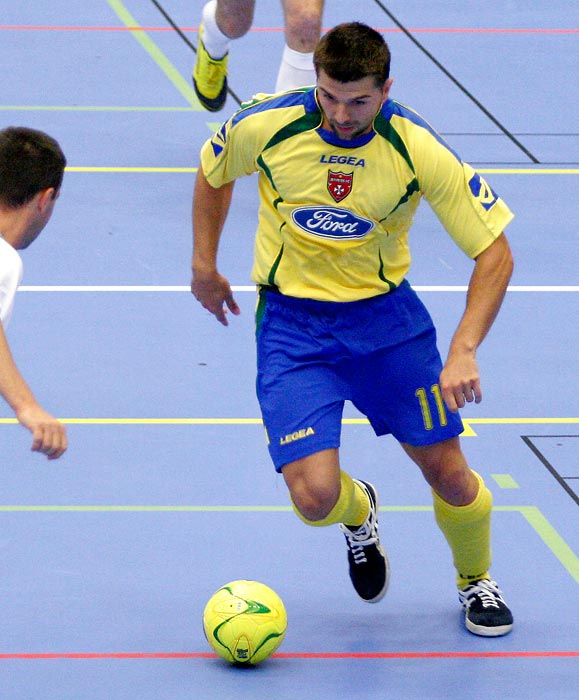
<point x="48" y="434"/>
<point x="460" y="381"/>
<point x="213" y="292"/>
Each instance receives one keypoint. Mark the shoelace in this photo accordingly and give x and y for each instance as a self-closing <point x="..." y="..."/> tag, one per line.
<point x="357" y="540"/>
<point x="489" y="595"/>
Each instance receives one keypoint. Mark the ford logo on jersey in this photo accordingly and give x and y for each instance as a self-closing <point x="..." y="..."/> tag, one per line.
<point x="330" y="222"/>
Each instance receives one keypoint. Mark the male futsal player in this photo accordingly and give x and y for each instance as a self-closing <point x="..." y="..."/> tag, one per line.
<point x="342" y="169"/>
<point x="31" y="172"/>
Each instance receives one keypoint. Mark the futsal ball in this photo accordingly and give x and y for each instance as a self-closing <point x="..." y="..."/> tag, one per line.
<point x="245" y="622"/>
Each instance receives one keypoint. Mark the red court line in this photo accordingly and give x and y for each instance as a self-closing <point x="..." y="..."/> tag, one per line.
<point x="387" y="30"/>
<point x="308" y="655"/>
<point x="59" y="28"/>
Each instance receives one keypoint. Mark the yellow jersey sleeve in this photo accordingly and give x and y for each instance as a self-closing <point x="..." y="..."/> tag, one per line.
<point x="468" y="208"/>
<point x="234" y="149"/>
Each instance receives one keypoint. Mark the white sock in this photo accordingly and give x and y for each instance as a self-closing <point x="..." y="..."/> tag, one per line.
<point x="214" y="40"/>
<point x="296" y="70"/>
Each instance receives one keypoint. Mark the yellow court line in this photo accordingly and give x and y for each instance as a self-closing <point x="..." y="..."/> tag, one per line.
<point x="519" y="421"/>
<point x="119" y="169"/>
<point x="258" y="421"/>
<point x="529" y="171"/>
<point x="98" y="108"/>
<point x="151" y="421"/>
<point x="551" y="538"/>
<point x="137" y="169"/>
<point x="468" y="430"/>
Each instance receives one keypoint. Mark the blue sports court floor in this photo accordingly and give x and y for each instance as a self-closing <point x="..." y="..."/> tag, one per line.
<point x="108" y="556"/>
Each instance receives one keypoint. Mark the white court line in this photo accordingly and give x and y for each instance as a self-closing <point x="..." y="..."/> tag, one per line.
<point x="251" y="288"/>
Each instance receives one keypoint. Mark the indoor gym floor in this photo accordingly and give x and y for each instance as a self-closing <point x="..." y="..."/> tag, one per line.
<point x="109" y="555"/>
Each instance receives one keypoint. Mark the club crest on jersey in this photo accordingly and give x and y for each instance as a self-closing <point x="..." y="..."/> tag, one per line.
<point x="339" y="184"/>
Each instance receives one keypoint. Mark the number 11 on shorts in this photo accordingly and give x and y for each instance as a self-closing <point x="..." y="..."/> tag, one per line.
<point x="422" y="396"/>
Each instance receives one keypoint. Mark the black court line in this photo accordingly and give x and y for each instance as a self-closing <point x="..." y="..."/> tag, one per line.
<point x="186" y="40"/>
<point x="527" y="439"/>
<point x="437" y="63"/>
<point x="461" y="87"/>
<point x="518" y="133"/>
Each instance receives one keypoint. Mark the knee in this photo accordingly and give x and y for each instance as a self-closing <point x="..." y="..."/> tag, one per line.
<point x="233" y="20"/>
<point x="235" y="29"/>
<point x="302" y="28"/>
<point x="458" y="487"/>
<point x="314" y="501"/>
<point x="445" y="469"/>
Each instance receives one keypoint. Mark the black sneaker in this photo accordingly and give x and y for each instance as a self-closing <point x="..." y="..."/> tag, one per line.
<point x="486" y="613"/>
<point x="369" y="568"/>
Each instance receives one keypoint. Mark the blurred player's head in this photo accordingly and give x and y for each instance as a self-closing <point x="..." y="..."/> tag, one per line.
<point x="31" y="172"/>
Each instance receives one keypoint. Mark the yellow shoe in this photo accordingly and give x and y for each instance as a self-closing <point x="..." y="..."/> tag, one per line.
<point x="210" y="77"/>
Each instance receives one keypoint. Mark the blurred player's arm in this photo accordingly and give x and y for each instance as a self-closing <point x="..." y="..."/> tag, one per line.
<point x="48" y="434"/>
<point x="210" y="209"/>
<point x="460" y="380"/>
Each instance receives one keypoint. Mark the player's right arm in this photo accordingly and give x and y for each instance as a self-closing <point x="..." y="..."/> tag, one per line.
<point x="210" y="209"/>
<point x="231" y="153"/>
<point x="48" y="434"/>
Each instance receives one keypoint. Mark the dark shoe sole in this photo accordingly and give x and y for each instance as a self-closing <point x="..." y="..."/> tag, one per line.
<point x="212" y="104"/>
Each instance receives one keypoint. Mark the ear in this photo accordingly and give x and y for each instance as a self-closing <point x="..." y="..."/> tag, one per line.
<point x="386" y="89"/>
<point x="45" y="198"/>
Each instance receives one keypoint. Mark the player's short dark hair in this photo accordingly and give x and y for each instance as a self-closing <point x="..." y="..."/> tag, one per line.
<point x="353" y="51"/>
<point x="30" y="162"/>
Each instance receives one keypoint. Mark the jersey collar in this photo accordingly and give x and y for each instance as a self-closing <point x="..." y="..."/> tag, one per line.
<point x="311" y="105"/>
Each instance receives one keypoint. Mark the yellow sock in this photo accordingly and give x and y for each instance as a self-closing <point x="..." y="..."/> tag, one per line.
<point x="352" y="507"/>
<point x="468" y="532"/>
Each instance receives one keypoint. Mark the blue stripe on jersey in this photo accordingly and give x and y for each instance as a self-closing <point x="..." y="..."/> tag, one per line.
<point x="286" y="99"/>
<point x="391" y="107"/>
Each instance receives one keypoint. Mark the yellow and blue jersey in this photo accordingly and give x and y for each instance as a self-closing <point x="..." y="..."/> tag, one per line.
<point x="335" y="215"/>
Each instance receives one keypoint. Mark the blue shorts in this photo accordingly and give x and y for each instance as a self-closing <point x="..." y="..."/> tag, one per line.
<point x="379" y="353"/>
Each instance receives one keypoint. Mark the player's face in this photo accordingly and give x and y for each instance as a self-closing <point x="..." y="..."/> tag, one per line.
<point x="349" y="108"/>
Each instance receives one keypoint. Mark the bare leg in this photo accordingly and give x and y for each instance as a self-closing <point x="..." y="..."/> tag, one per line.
<point x="303" y="24"/>
<point x="444" y="467"/>
<point x="314" y="483"/>
<point x="234" y="17"/>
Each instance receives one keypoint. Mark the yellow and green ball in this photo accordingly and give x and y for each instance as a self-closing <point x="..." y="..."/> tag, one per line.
<point x="245" y="622"/>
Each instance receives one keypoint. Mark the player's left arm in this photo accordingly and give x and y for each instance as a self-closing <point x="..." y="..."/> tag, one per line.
<point x="460" y="380"/>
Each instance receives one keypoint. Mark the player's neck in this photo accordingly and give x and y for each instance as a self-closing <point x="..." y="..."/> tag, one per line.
<point x="8" y="231"/>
